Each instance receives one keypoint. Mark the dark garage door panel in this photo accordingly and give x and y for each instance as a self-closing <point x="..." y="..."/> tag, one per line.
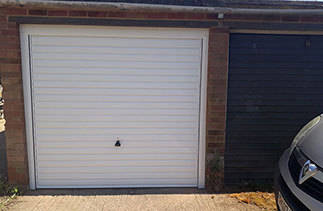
<point x="275" y="87"/>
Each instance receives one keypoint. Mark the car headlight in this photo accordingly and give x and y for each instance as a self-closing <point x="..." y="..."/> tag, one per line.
<point x="304" y="130"/>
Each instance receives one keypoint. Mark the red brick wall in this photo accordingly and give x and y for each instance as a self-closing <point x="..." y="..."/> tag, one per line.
<point x="217" y="88"/>
<point x="10" y="69"/>
<point x="106" y="14"/>
<point x="216" y="101"/>
<point x="12" y="80"/>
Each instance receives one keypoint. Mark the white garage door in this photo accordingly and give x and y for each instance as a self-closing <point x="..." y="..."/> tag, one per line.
<point x="91" y="92"/>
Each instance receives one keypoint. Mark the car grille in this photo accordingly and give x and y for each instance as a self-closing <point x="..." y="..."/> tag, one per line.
<point x="312" y="186"/>
<point x="293" y="201"/>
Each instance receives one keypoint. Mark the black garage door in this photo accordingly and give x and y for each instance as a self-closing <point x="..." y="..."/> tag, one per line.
<point x="275" y="87"/>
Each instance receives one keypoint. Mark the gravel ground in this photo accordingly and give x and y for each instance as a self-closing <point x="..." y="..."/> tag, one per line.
<point x="5" y="201"/>
<point x="128" y="199"/>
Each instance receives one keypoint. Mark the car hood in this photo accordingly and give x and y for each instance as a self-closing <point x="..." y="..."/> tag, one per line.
<point x="312" y="144"/>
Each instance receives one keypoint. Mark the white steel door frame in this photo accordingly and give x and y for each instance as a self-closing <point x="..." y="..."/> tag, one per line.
<point x="62" y="30"/>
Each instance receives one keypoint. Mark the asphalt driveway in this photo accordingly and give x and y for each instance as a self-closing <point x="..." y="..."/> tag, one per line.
<point x="127" y="199"/>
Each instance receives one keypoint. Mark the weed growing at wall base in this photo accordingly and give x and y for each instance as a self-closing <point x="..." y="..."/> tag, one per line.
<point x="7" y="194"/>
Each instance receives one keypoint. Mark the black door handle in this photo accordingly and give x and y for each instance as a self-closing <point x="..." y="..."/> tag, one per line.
<point x="117" y="144"/>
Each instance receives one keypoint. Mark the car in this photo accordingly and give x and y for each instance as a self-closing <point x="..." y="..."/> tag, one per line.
<point x="298" y="177"/>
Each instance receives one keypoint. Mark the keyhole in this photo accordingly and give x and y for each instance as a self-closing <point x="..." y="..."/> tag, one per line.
<point x="117" y="144"/>
<point x="307" y="42"/>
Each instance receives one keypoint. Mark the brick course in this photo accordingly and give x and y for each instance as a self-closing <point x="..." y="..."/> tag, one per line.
<point x="57" y="13"/>
<point x="38" y="12"/>
<point x="80" y="13"/>
<point x="97" y="14"/>
<point x="10" y="69"/>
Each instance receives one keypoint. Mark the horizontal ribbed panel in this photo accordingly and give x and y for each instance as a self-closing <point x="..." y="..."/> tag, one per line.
<point x="101" y="183"/>
<point x="274" y="88"/>
<point x="90" y="91"/>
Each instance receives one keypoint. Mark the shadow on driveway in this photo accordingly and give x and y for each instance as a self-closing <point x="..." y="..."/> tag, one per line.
<point x="115" y="191"/>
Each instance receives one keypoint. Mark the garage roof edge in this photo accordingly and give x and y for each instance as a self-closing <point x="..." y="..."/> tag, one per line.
<point x="154" y="7"/>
